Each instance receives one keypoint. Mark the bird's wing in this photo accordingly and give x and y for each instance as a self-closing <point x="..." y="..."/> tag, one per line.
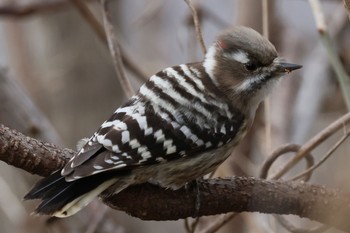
<point x="164" y="121"/>
<point x="136" y="135"/>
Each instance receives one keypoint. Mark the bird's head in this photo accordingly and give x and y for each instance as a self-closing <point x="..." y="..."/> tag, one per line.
<point x="245" y="66"/>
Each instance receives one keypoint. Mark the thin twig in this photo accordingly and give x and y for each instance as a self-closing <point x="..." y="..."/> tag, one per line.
<point x="114" y="48"/>
<point x="187" y="225"/>
<point x="20" y="10"/>
<point x="334" y="59"/>
<point x="282" y="150"/>
<point x="318" y="15"/>
<point x="97" y="218"/>
<point x="220" y="222"/>
<point x="194" y="225"/>
<point x="191" y="228"/>
<point x="324" y="158"/>
<point x="99" y="30"/>
<point x="197" y="26"/>
<point x="291" y="228"/>
<point x="313" y="143"/>
<point x="91" y="19"/>
<point x="347" y="7"/>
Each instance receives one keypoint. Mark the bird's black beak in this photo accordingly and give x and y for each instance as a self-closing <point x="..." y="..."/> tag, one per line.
<point x="285" y="67"/>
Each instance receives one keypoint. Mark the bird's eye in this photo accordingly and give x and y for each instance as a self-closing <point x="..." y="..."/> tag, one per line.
<point x="251" y="66"/>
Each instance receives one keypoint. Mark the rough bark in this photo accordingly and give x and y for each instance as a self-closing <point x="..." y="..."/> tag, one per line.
<point x="216" y="196"/>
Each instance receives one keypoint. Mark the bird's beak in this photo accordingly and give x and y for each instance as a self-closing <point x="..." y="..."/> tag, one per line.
<point x="284" y="67"/>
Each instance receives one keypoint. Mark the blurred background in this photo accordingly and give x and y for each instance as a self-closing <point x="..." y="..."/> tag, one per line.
<point x="57" y="83"/>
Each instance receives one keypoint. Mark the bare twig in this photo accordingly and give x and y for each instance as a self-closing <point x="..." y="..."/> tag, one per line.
<point x="14" y="10"/>
<point x="307" y="173"/>
<point x="347" y="7"/>
<point x="334" y="59"/>
<point x="220" y="222"/>
<point x="98" y="28"/>
<point x="323" y="159"/>
<point x="114" y="48"/>
<point x="291" y="228"/>
<point x="191" y="228"/>
<point x="315" y="87"/>
<point x="96" y="220"/>
<point x="313" y="143"/>
<point x="19" y="111"/>
<point x="197" y="26"/>
<point x="187" y="225"/>
<point x="150" y="11"/>
<point x="91" y="19"/>
<point x="318" y="15"/>
<point x="281" y="151"/>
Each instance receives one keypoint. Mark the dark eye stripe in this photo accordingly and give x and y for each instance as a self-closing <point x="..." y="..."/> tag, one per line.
<point x="252" y="65"/>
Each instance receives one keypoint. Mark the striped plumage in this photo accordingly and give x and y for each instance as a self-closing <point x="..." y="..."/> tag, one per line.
<point x="179" y="126"/>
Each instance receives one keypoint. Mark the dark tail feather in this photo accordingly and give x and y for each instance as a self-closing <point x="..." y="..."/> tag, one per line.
<point x="43" y="186"/>
<point x="55" y="192"/>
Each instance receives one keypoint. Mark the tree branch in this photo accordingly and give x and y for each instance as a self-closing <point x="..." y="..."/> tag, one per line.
<point x="20" y="10"/>
<point x="30" y="154"/>
<point x="347" y="7"/>
<point x="150" y="202"/>
<point x="114" y="48"/>
<point x="197" y="26"/>
<point x="100" y="32"/>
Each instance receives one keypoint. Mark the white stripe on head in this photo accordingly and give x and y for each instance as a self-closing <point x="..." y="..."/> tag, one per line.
<point x="239" y="56"/>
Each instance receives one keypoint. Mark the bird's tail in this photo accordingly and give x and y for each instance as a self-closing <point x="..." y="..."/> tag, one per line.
<point x="62" y="199"/>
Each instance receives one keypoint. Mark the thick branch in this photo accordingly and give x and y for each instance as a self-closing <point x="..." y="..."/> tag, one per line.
<point x="217" y="196"/>
<point x="236" y="194"/>
<point x="31" y="155"/>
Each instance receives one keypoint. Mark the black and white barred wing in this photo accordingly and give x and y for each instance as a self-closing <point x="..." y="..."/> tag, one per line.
<point x="164" y="121"/>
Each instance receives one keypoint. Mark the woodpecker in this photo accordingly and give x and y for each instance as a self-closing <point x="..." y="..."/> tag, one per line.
<point x="180" y="125"/>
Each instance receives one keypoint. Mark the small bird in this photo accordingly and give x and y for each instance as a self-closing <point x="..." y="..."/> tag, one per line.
<point x="181" y="124"/>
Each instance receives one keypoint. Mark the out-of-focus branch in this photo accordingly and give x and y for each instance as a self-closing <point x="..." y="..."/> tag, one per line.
<point x="114" y="49"/>
<point x="315" y="82"/>
<point x="197" y="26"/>
<point x="334" y="59"/>
<point x="99" y="30"/>
<point x="17" y="110"/>
<point x="323" y="159"/>
<point x="219" y="222"/>
<point x="14" y="10"/>
<point x="313" y="143"/>
<point x="347" y="7"/>
<point x="236" y="194"/>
